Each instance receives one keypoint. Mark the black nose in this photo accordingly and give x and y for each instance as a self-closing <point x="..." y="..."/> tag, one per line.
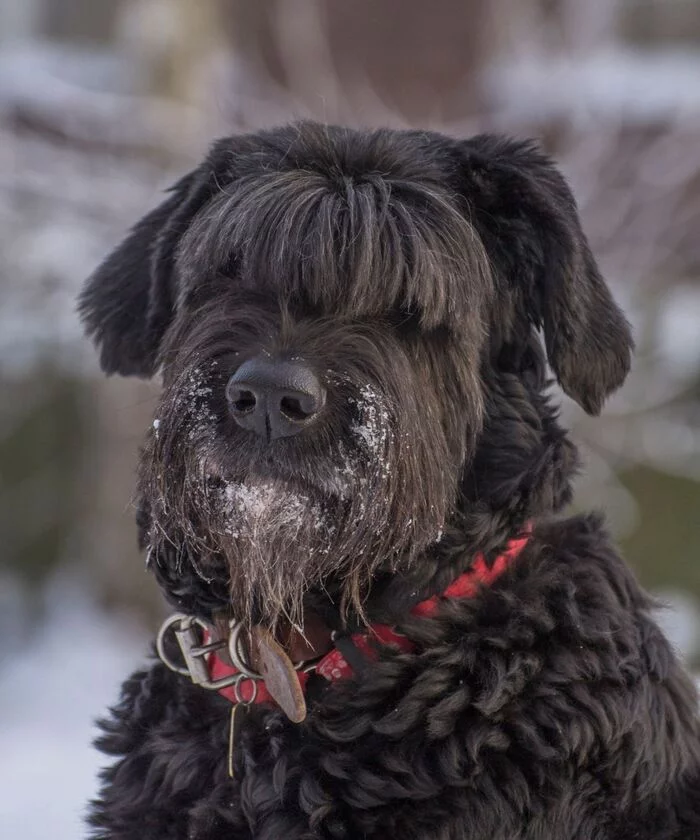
<point x="275" y="398"/>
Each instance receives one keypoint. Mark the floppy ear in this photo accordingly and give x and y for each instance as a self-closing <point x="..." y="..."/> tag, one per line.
<point x="527" y="217"/>
<point x="128" y="302"/>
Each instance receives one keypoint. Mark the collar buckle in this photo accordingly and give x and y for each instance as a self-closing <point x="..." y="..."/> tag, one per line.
<point x="191" y="634"/>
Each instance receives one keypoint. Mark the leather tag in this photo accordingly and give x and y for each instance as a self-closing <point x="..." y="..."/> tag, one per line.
<point x="281" y="679"/>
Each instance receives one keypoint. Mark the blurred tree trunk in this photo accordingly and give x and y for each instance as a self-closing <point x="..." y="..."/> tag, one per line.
<point x="396" y="61"/>
<point x="176" y="44"/>
<point x="589" y="26"/>
<point x="651" y="22"/>
<point x="76" y="20"/>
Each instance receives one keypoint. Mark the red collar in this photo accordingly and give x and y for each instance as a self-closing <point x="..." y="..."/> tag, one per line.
<point x="334" y="665"/>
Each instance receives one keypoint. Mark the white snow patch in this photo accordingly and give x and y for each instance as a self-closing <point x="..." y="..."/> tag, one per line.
<point x="678" y="333"/>
<point x="680" y="621"/>
<point x="613" y="82"/>
<point x="269" y="503"/>
<point x="51" y="691"/>
<point x="374" y="424"/>
<point x="202" y="418"/>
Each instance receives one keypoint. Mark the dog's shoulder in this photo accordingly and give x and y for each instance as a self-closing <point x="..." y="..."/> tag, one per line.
<point x="579" y="549"/>
<point x="573" y="584"/>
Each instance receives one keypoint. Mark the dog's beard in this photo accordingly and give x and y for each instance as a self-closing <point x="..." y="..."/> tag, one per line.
<point x="277" y="542"/>
<point x="322" y="519"/>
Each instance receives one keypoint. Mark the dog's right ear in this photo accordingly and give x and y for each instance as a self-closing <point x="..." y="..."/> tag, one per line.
<point x="128" y="302"/>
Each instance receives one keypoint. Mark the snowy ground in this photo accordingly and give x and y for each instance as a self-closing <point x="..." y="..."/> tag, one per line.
<point x="66" y="677"/>
<point x="49" y="697"/>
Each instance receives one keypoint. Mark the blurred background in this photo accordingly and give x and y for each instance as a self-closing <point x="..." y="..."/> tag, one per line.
<point x="102" y="104"/>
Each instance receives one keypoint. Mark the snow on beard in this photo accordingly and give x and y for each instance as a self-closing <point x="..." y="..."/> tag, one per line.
<point x="279" y="541"/>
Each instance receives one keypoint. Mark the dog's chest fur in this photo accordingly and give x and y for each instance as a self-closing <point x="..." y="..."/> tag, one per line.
<point x="508" y="721"/>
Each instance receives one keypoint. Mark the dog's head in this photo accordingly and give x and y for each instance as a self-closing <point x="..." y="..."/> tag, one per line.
<point x="329" y="309"/>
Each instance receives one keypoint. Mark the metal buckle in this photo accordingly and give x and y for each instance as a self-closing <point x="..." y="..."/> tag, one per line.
<point x="194" y="653"/>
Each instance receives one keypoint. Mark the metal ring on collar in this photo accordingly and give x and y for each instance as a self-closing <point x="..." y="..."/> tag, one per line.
<point x="236" y="653"/>
<point x="237" y="691"/>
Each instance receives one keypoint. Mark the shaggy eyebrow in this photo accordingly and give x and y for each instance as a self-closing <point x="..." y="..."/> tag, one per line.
<point x="369" y="242"/>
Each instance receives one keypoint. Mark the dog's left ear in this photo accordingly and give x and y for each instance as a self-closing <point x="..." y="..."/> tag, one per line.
<point x="128" y="302"/>
<point x="527" y="217"/>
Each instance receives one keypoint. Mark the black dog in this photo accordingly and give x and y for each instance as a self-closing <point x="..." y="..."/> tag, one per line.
<point x="356" y="459"/>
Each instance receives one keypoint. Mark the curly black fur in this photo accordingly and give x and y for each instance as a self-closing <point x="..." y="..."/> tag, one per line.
<point x="412" y="273"/>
